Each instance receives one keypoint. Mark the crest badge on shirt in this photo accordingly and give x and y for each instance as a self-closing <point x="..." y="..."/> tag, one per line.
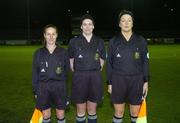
<point x="58" y="70"/>
<point x="96" y="57"/>
<point x="136" y="55"/>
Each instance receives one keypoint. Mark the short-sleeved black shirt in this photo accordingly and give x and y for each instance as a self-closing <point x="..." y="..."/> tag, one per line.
<point x="128" y="57"/>
<point x="49" y="67"/>
<point x="87" y="54"/>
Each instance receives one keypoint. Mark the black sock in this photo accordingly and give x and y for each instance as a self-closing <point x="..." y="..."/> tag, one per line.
<point x="117" y="119"/>
<point x="133" y="119"/>
<point x="48" y="120"/>
<point x="92" y="118"/>
<point x="81" y="119"/>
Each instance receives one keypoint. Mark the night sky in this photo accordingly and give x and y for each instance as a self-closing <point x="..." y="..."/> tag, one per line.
<point x="150" y="15"/>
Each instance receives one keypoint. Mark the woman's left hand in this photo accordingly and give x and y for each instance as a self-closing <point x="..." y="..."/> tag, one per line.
<point x="145" y="90"/>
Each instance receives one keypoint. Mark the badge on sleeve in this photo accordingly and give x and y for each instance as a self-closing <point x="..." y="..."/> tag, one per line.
<point x="148" y="55"/>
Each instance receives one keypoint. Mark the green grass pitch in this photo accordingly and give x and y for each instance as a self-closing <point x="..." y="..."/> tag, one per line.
<point x="17" y="102"/>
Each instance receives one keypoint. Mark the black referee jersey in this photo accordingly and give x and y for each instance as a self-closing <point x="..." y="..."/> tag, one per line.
<point x="49" y="67"/>
<point x="128" y="57"/>
<point x="87" y="54"/>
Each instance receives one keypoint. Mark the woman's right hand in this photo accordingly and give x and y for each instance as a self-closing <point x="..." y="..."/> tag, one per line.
<point x="71" y="60"/>
<point x="72" y="68"/>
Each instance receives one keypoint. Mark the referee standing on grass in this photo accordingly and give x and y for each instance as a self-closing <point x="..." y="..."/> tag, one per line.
<point x="50" y="66"/>
<point x="127" y="69"/>
<point x="87" y="54"/>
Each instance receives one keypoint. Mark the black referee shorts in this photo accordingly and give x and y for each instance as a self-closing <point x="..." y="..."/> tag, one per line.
<point x="127" y="89"/>
<point x="52" y="93"/>
<point x="87" y="86"/>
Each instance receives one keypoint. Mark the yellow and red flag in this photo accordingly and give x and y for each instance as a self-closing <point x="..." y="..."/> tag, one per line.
<point x="142" y="116"/>
<point x="37" y="116"/>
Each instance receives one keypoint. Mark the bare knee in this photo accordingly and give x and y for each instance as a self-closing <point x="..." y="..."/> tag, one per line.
<point x="60" y="114"/>
<point x="81" y="109"/>
<point x="134" y="110"/>
<point x="46" y="113"/>
<point x="91" y="107"/>
<point x="119" y="110"/>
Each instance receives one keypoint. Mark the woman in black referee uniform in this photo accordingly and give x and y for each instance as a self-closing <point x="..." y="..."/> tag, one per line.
<point x="50" y="66"/>
<point x="87" y="55"/>
<point x="127" y="69"/>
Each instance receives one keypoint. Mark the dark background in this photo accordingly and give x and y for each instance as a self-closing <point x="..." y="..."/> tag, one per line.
<point x="156" y="18"/>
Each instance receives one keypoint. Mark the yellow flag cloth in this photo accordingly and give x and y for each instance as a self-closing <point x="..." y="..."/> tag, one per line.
<point x="37" y="116"/>
<point x="142" y="117"/>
